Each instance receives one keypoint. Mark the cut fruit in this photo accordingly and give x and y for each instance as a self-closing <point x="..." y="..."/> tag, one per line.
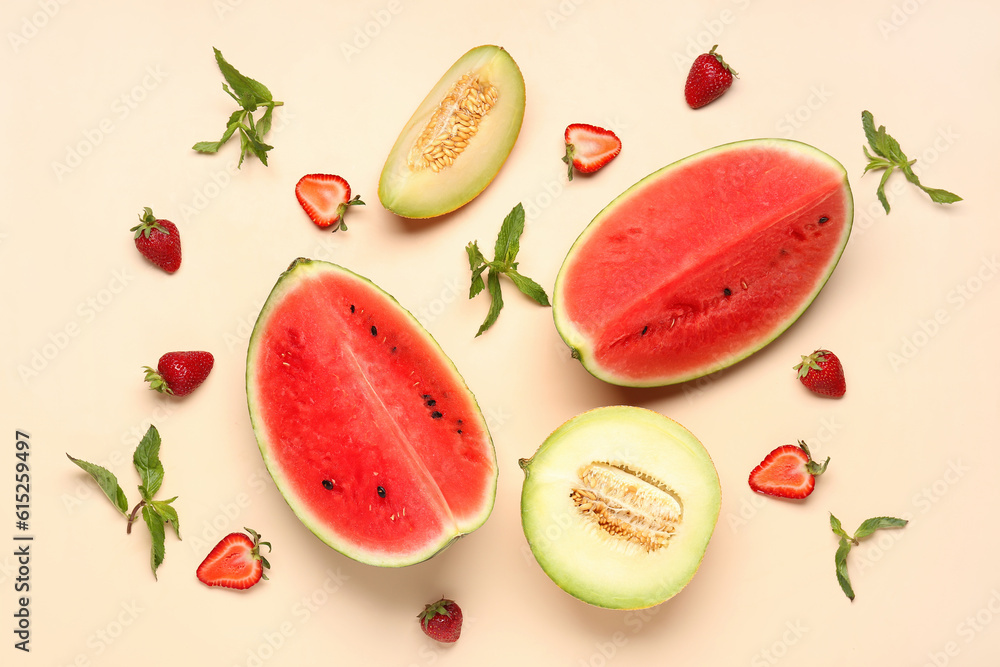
<point x="619" y="505"/>
<point x="703" y="262"/>
<point x="366" y="427"/>
<point x="457" y="139"/>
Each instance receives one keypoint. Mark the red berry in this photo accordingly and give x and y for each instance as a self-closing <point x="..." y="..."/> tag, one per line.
<point x="709" y="78"/>
<point x="326" y="199"/>
<point x="588" y="148"/>
<point x="787" y="472"/>
<point x="442" y="620"/>
<point x="158" y="241"/>
<point x="822" y="373"/>
<point x="235" y="562"/>
<point x="180" y="373"/>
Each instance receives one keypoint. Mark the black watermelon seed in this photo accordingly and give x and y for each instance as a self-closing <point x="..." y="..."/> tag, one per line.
<point x="644" y="330"/>
<point x="328" y="485"/>
<point x="458" y="431"/>
<point x="458" y="421"/>
<point x="727" y="292"/>
<point x="436" y="415"/>
<point x="393" y="349"/>
<point x="381" y="491"/>
<point x="823" y="219"/>
<point x="431" y="403"/>
<point x="374" y="330"/>
<point x="352" y="307"/>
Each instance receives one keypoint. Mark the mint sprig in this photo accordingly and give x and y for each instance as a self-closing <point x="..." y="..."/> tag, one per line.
<point x="889" y="156"/>
<point x="155" y="513"/>
<point x="504" y="255"/>
<point x="847" y="541"/>
<point x="251" y="95"/>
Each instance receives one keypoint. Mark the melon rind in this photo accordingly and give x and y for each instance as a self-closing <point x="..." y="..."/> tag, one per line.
<point x="565" y="546"/>
<point x="301" y="269"/>
<point x="583" y="346"/>
<point x="425" y="194"/>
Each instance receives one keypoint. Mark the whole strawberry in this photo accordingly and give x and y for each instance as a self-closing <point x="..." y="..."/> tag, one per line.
<point x="442" y="620"/>
<point x="180" y="373"/>
<point x="708" y="79"/>
<point x="822" y="373"/>
<point x="158" y="241"/>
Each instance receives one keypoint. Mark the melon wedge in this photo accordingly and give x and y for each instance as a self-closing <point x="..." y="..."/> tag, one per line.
<point x="619" y="505"/>
<point x="365" y="425"/>
<point x="458" y="138"/>
<point x="703" y="262"/>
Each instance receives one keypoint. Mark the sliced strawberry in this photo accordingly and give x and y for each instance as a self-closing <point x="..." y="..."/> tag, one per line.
<point x="326" y="198"/>
<point x="235" y="562"/>
<point x="787" y="472"/>
<point x="588" y="148"/>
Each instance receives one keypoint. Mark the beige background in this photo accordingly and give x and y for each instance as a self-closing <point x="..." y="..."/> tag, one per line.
<point x="912" y="311"/>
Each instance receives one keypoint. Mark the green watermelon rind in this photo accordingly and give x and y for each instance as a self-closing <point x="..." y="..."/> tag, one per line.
<point x="578" y="343"/>
<point x="286" y="282"/>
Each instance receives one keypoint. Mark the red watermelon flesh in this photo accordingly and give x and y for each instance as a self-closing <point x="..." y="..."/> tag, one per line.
<point x="703" y="262"/>
<point x="365" y="425"/>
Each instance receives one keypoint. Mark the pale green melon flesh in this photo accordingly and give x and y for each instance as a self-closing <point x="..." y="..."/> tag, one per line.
<point x="584" y="559"/>
<point x="422" y="193"/>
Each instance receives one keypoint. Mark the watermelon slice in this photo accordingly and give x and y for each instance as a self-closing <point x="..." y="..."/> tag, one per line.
<point x="366" y="427"/>
<point x="703" y="262"/>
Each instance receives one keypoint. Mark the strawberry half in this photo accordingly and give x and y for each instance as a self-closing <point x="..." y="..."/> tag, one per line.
<point x="326" y="198"/>
<point x="787" y="472"/>
<point x="442" y="620"/>
<point x="822" y="373"/>
<point x="180" y="373"/>
<point x="588" y="148"/>
<point x="158" y="241"/>
<point x="709" y="78"/>
<point x="235" y="562"/>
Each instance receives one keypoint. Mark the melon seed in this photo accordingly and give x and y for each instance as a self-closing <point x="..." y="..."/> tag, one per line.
<point x="374" y="330"/>
<point x="381" y="491"/>
<point x="436" y="415"/>
<point x="727" y="292"/>
<point x="823" y="220"/>
<point x="452" y="124"/>
<point x="628" y="505"/>
<point x="328" y="485"/>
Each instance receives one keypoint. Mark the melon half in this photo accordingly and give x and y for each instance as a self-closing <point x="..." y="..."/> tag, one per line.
<point x="703" y="262"/>
<point x="365" y="425"/>
<point x="618" y="506"/>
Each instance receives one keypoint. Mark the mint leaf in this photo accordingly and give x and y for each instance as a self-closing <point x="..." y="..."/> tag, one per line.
<point x="504" y="262"/>
<point x="837" y="528"/>
<point x="889" y="155"/>
<point x="840" y="562"/>
<point x="147" y="462"/>
<point x="107" y="481"/>
<point x="250" y="95"/>
<point x="869" y="526"/>
<point x="496" y="303"/>
<point x="509" y="238"/>
<point x="529" y="287"/>
<point x="168" y="513"/>
<point x="866" y="528"/>
<point x="155" y="523"/>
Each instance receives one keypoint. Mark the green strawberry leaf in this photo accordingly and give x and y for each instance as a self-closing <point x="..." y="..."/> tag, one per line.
<point x="840" y="562"/>
<point x="147" y="462"/>
<point x="107" y="481"/>
<point x="156" y="531"/>
<point x="869" y="526"/>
